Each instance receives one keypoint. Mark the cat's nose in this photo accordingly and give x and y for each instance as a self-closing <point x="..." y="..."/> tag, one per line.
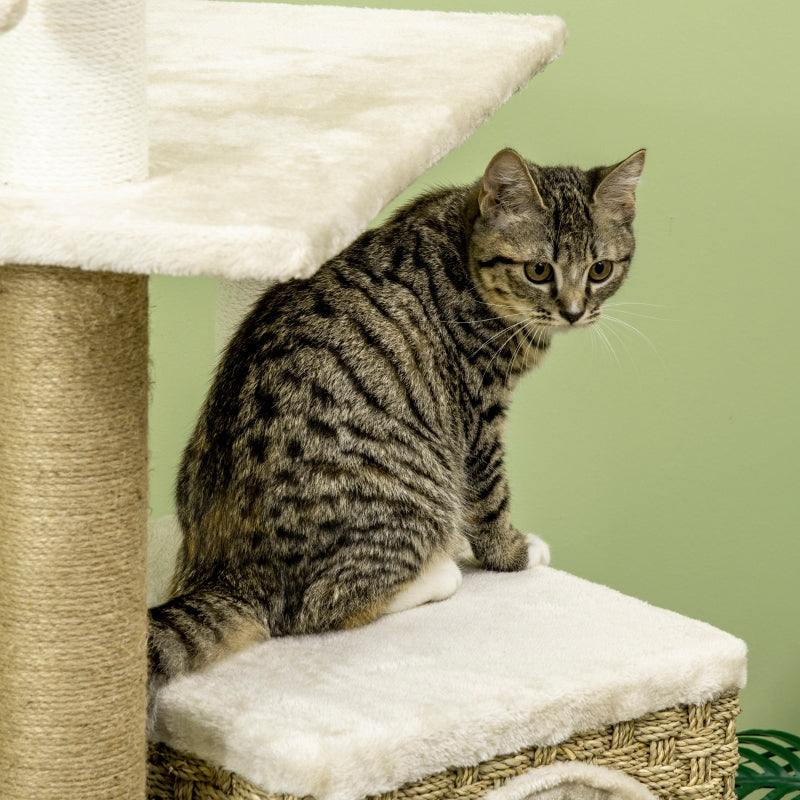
<point x="571" y="315"/>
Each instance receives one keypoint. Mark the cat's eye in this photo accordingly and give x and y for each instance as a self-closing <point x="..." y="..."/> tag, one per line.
<point x="600" y="270"/>
<point x="538" y="271"/>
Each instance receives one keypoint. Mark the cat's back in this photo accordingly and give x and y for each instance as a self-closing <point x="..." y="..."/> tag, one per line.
<point x="368" y="326"/>
<point x="332" y="386"/>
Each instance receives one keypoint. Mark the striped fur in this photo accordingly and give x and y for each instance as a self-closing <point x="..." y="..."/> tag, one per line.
<point x="353" y="431"/>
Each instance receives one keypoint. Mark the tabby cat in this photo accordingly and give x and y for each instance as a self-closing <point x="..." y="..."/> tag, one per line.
<point x="352" y="437"/>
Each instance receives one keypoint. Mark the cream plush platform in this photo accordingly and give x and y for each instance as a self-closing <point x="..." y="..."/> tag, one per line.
<point x="509" y="667"/>
<point x="278" y="132"/>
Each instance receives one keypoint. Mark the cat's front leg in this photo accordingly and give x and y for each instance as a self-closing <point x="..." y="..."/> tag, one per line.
<point x="512" y="552"/>
<point x="496" y="543"/>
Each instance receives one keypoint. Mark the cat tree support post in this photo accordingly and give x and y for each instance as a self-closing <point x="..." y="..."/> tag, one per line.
<point x="73" y="417"/>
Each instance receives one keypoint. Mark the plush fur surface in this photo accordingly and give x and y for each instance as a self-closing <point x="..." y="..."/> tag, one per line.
<point x="278" y="132"/>
<point x="572" y="781"/>
<point x="509" y="660"/>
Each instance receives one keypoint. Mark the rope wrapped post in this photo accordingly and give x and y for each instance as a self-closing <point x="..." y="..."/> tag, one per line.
<point x="73" y="420"/>
<point x="73" y="515"/>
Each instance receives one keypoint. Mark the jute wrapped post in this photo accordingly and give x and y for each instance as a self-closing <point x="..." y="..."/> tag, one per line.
<point x="73" y="515"/>
<point x="73" y="419"/>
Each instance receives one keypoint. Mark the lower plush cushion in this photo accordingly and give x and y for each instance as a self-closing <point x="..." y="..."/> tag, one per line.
<point x="512" y="660"/>
<point x="572" y="781"/>
<point x="688" y="752"/>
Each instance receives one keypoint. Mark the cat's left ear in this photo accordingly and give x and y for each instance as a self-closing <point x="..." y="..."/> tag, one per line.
<point x="507" y="189"/>
<point x="616" y="192"/>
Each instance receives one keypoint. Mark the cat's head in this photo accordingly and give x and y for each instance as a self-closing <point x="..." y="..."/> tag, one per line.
<point x="553" y="243"/>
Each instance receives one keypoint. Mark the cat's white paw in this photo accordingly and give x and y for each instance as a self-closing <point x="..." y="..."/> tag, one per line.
<point x="438" y="581"/>
<point x="538" y="551"/>
<point x="447" y="579"/>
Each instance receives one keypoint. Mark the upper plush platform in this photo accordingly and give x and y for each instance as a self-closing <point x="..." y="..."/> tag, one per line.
<point x="278" y="132"/>
<point x="510" y="661"/>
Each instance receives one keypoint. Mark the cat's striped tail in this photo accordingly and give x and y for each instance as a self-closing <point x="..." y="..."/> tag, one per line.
<point x="193" y="630"/>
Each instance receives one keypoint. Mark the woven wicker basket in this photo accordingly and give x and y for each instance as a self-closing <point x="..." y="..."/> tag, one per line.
<point x="689" y="752"/>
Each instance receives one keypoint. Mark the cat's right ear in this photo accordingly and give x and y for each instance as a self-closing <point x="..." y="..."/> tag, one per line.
<point x="507" y="189"/>
<point x="616" y="192"/>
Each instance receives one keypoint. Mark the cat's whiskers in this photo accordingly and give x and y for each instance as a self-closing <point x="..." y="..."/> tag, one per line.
<point x="528" y="349"/>
<point x="624" y="325"/>
<point x="630" y="327"/>
<point x="610" y="331"/>
<point x="618" y="303"/>
<point x="499" y="334"/>
<point x="514" y="329"/>
<point x="537" y="340"/>
<point x="541" y="340"/>
<point x="618" y="310"/>
<point x="485" y="319"/>
<point x="522" y="340"/>
<point x="604" y="338"/>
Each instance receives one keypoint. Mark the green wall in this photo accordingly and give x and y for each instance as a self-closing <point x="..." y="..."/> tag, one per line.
<point x="667" y="469"/>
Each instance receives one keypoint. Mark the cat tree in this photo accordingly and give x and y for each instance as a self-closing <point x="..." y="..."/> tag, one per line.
<point x="246" y="141"/>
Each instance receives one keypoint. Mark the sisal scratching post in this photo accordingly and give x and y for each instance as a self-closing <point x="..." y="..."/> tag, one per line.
<point x="73" y="419"/>
<point x="73" y="511"/>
